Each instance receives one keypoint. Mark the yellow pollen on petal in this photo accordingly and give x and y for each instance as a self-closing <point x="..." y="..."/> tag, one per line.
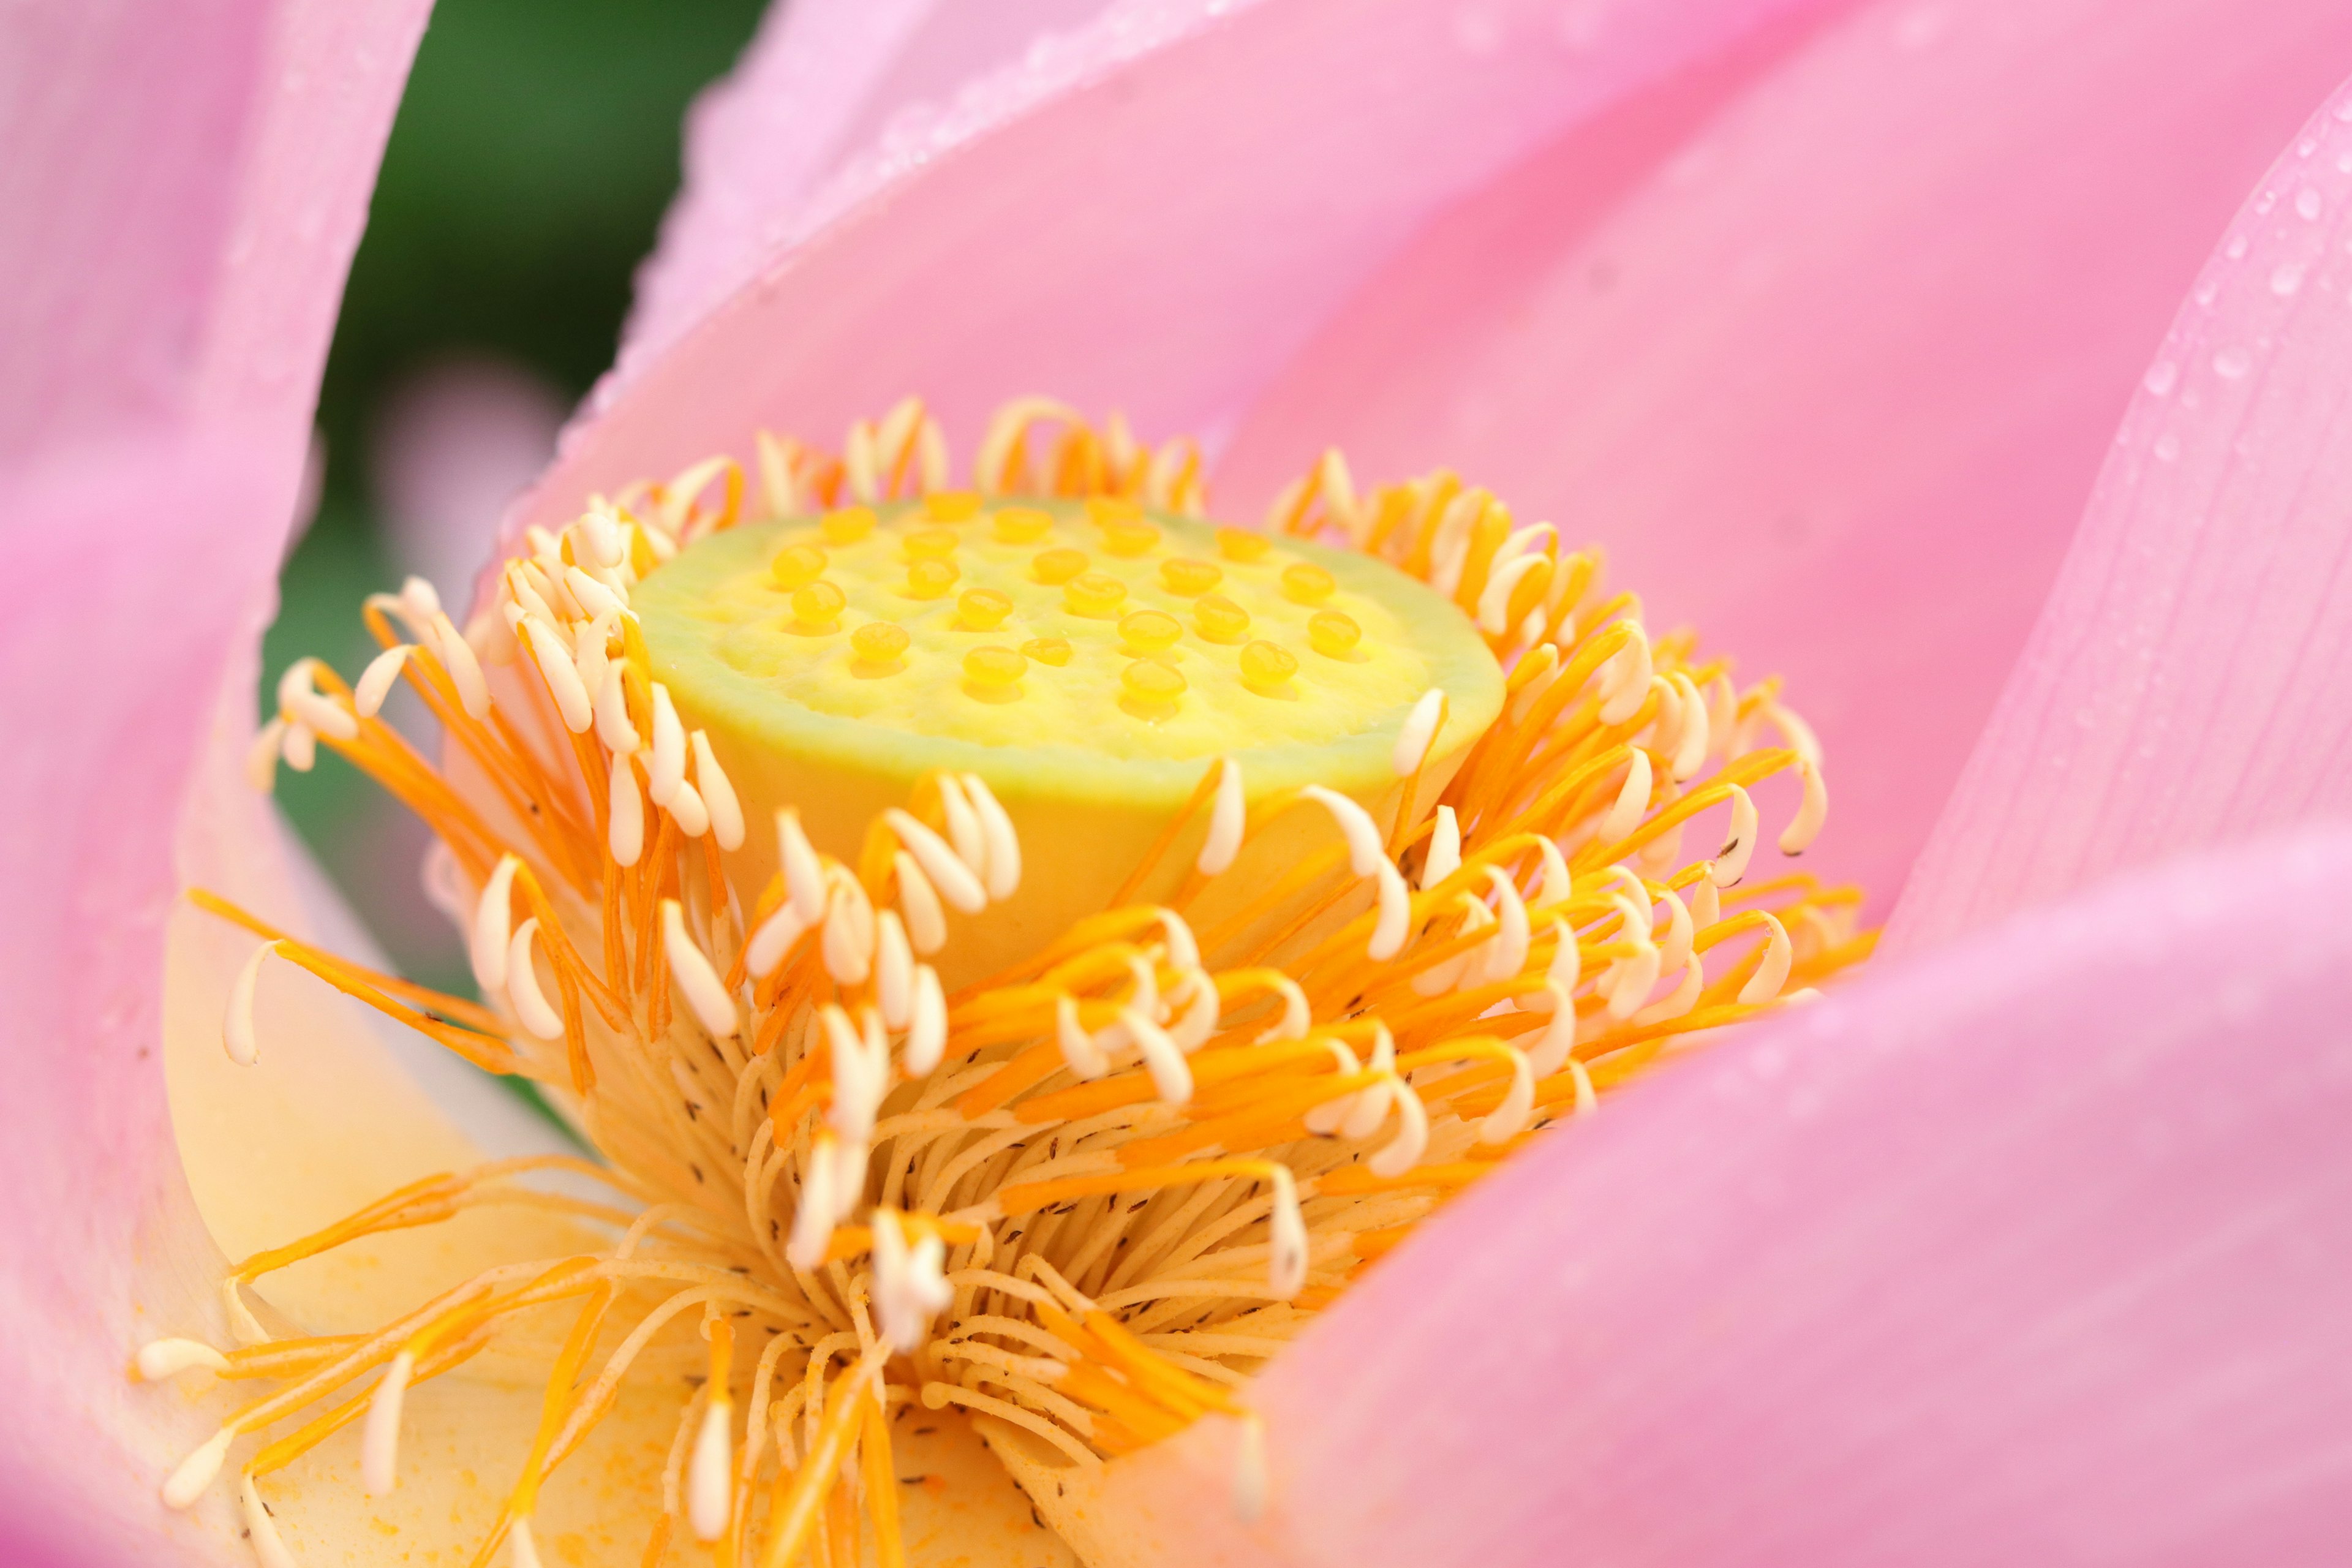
<point x="1033" y="1007"/>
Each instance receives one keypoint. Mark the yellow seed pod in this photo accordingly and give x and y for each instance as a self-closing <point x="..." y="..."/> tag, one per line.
<point x="817" y="607"/>
<point x="1221" y="620"/>
<point x="1058" y="565"/>
<point x="1304" y="583"/>
<point x="880" y="642"/>
<point x="1241" y="544"/>
<point x="983" y="609"/>
<point x="1149" y="631"/>
<point x="797" y="566"/>
<point x="1151" y="682"/>
<point x="1093" y="593"/>
<point x="1334" y="632"/>
<point x="931" y="579"/>
<point x="1129" y="538"/>
<point x="1105" y="510"/>
<point x="931" y="544"/>
<point x="951" y="506"/>
<point x="848" y="525"/>
<point x="1022" y="524"/>
<point x="1265" y="667"/>
<point x="994" y="666"/>
<point x="1055" y="651"/>
<point x="1188" y="577"/>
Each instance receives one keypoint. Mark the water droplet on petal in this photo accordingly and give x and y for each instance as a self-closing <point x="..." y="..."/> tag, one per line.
<point x="2287" y="278"/>
<point x="2232" y="363"/>
<point x="2160" y="377"/>
<point x="2308" y="203"/>
<point x="2167" y="448"/>
<point x="2236" y="249"/>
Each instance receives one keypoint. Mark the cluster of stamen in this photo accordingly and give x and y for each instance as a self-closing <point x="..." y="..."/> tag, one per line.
<point x="1086" y="1195"/>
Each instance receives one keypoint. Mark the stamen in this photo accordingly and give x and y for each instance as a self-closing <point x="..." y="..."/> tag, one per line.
<point x="718" y="797"/>
<point x="380" y="1442"/>
<point x="709" y="1486"/>
<point x="159" y="1361"/>
<point x="491" y="933"/>
<point x="531" y="1009"/>
<point x="374" y="683"/>
<point x="1226" y="820"/>
<point x="187" y="1483"/>
<point x="706" y="993"/>
<point x="236" y="1028"/>
<point x="1419" y="733"/>
<point x="267" y="1544"/>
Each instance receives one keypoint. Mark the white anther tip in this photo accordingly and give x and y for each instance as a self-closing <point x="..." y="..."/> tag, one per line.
<point x="709" y="1485"/>
<point x="237" y="1035"/>
<point x="1227" y="818"/>
<point x="194" y="1473"/>
<point x="159" y="1361"/>
<point x="1420" y="731"/>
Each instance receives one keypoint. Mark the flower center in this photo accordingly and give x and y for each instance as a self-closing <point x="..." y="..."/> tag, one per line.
<point x="1086" y="659"/>
<point x="1018" y="952"/>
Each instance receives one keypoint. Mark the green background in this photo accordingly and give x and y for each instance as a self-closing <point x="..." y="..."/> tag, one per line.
<point x="535" y="150"/>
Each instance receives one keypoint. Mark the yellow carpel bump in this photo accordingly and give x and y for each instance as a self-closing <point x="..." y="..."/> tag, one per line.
<point x="1241" y="544"/>
<point x="1334" y="632"/>
<point x="1304" y="583"/>
<point x="931" y="579"/>
<point x="1022" y="524"/>
<point x="1094" y="593"/>
<point x="992" y="674"/>
<point x="1129" y="538"/>
<point x="1055" y="651"/>
<point x="879" y="643"/>
<point x="1148" y="687"/>
<point x="817" y="607"/>
<point x="983" y="609"/>
<point x="932" y="544"/>
<point x="797" y="566"/>
<point x="951" y="506"/>
<point x="1053" y="567"/>
<point x="1188" y="577"/>
<point x="1266" y="667"/>
<point x="1149" y="631"/>
<point x="848" y="525"/>
<point x="1220" y="620"/>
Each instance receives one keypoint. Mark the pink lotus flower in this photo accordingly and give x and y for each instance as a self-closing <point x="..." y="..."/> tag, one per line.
<point x="2030" y="1246"/>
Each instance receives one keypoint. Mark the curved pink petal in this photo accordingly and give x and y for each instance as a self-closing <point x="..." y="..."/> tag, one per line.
<point x="2190" y="679"/>
<point x="1834" y="384"/>
<point x="189" y="184"/>
<point x="1151" y="216"/>
<point x="2035" y="1249"/>
<point x="823" y="79"/>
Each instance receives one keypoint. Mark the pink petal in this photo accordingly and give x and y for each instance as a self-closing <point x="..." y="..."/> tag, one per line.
<point x="1151" y="216"/>
<point x="188" y="185"/>
<point x="824" y="80"/>
<point x="2190" y="679"/>
<point x="1832" y="386"/>
<point x="2035" y="1249"/>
